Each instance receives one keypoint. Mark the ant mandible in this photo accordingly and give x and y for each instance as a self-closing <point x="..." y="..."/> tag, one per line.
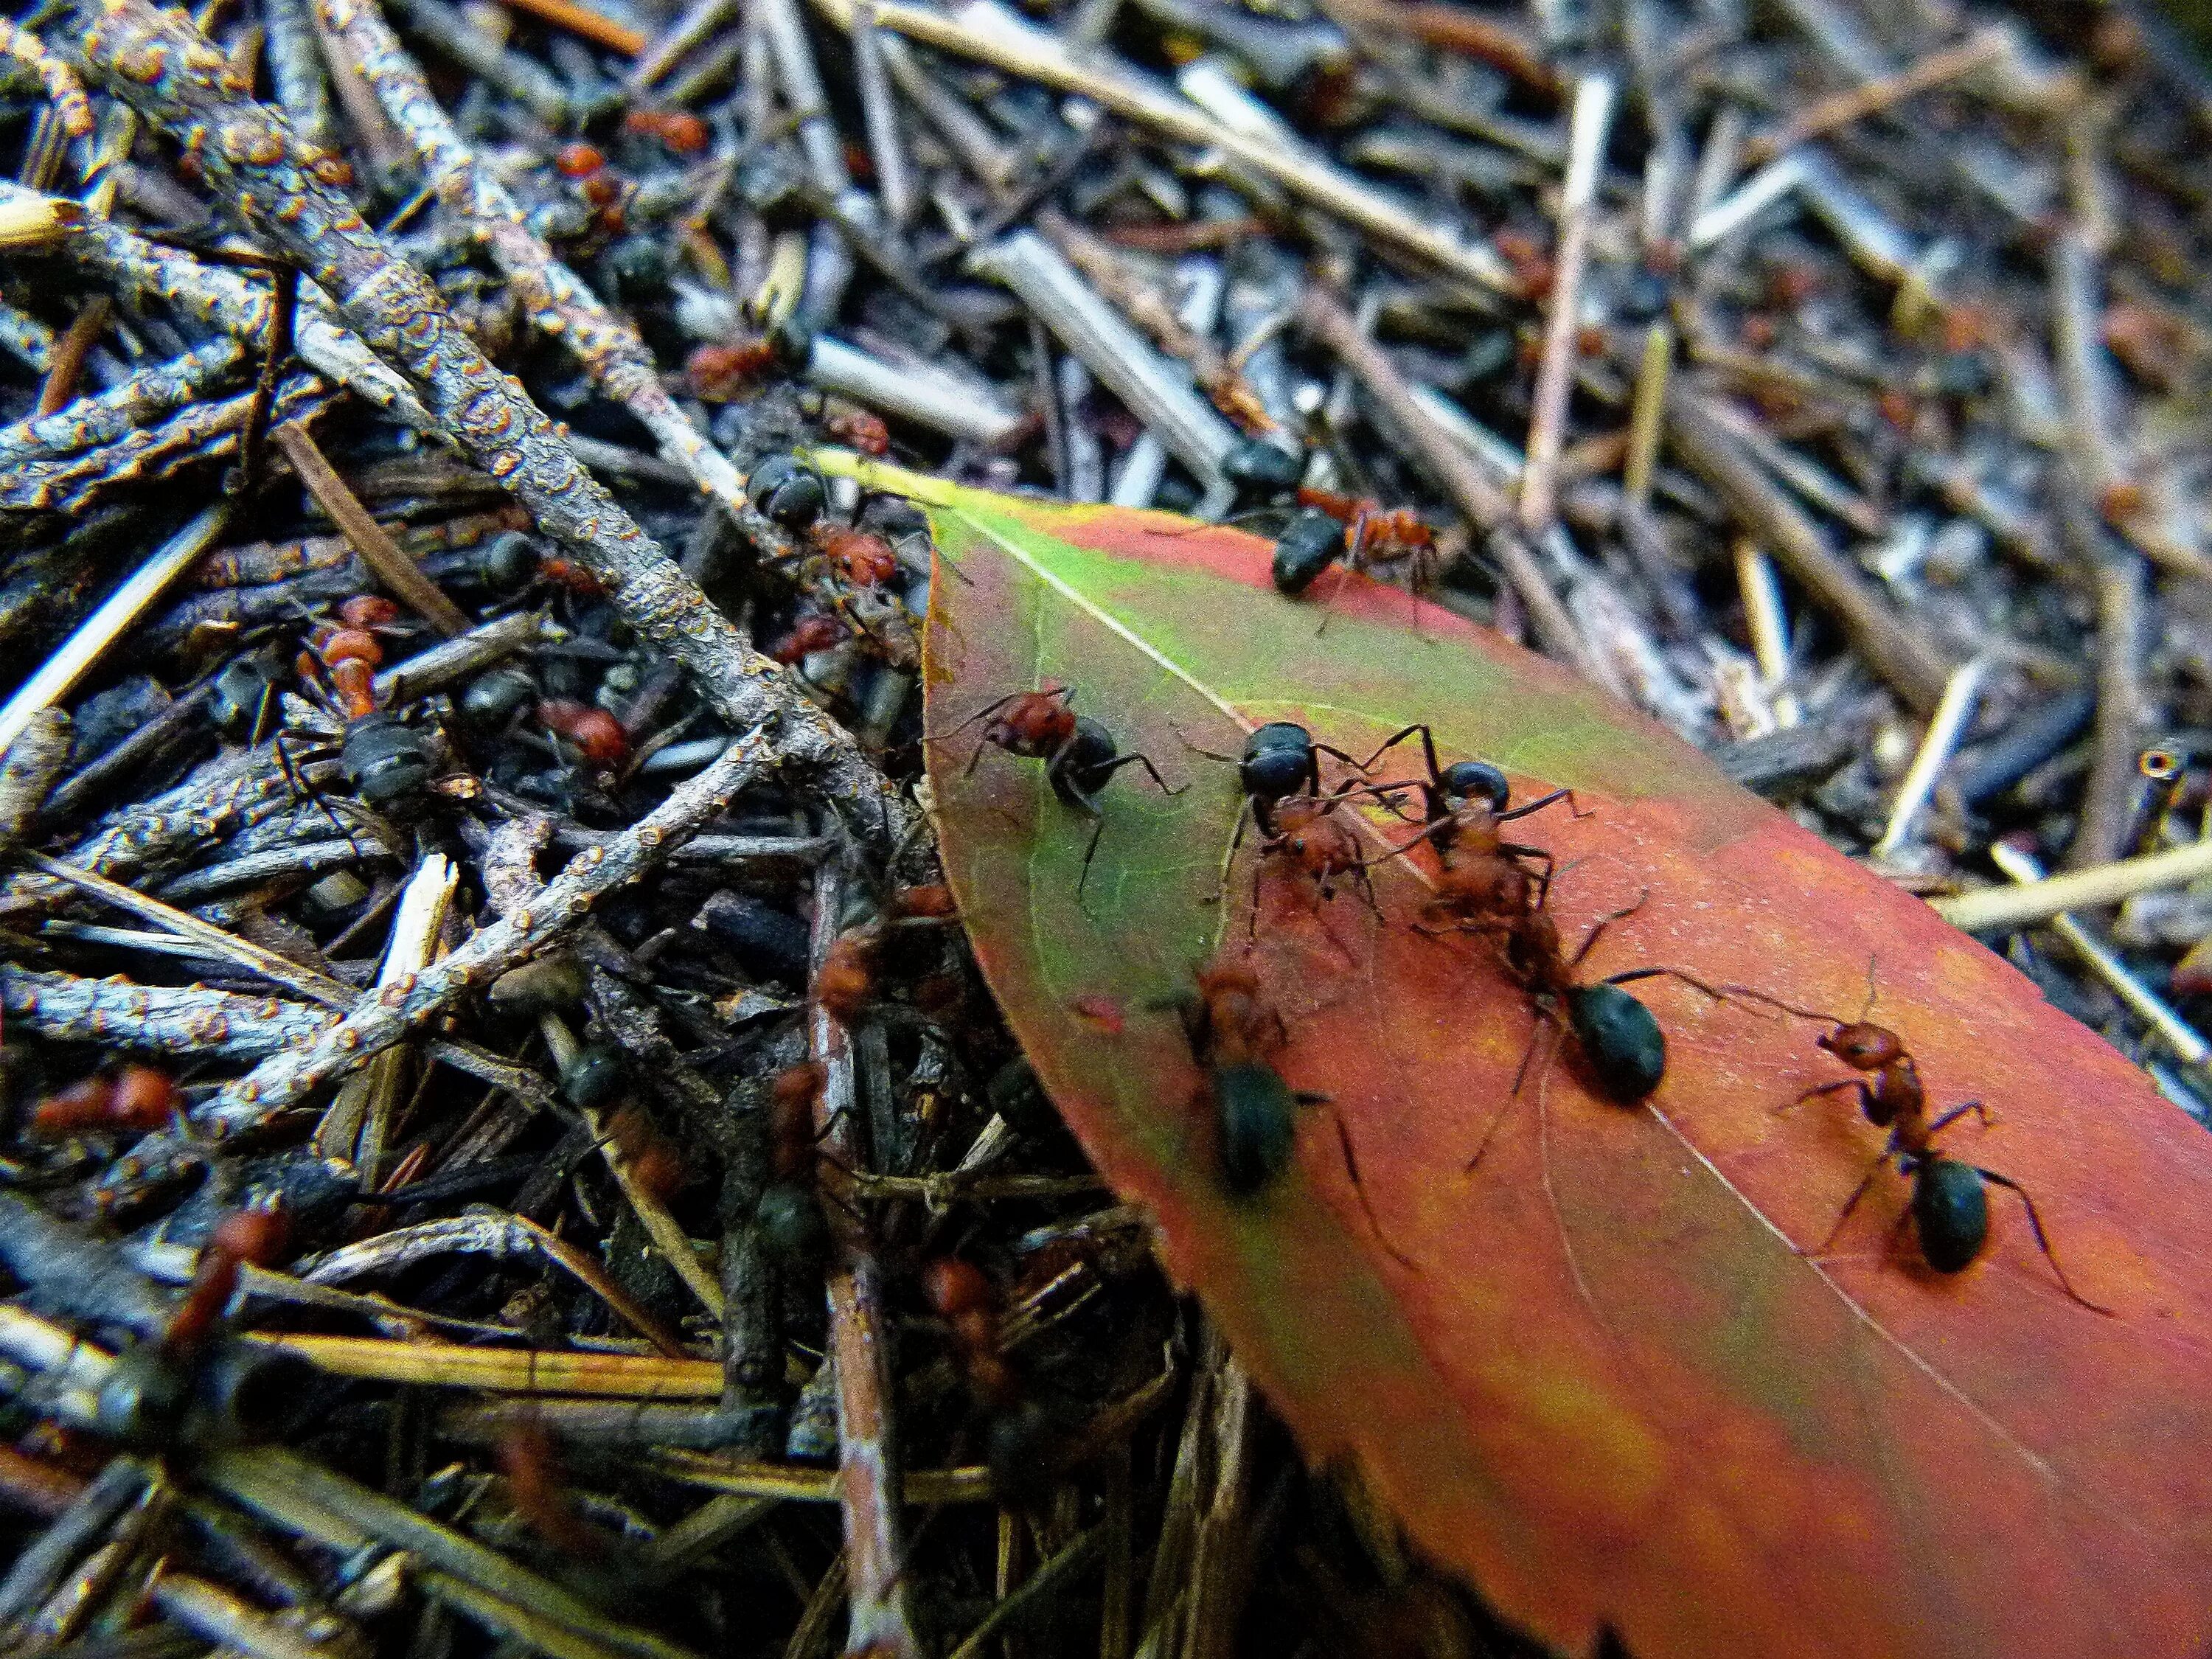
<point x="1949" y="1207"/>
<point x="1080" y="754"/>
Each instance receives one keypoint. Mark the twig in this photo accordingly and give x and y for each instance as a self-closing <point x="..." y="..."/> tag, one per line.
<point x="2153" y="1008"/>
<point x="1073" y="1558"/>
<point x="33" y="762"/>
<point x="59" y="673"/>
<point x="1592" y="118"/>
<point x="258" y="168"/>
<point x="166" y="1020"/>
<point x="1486" y="506"/>
<point x="368" y="538"/>
<point x="1892" y="646"/>
<point x="65" y="366"/>
<point x="1948" y="724"/>
<point x="2002" y="910"/>
<point x="860" y="1344"/>
<point x="997" y="37"/>
<point x="594" y="25"/>
<point x="1842" y="108"/>
<point x="511" y="1371"/>
<point x="383" y="1017"/>
<point x="2118" y="733"/>
<point x="112" y="413"/>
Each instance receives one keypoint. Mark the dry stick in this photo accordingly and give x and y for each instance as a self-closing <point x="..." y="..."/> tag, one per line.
<point x="894" y="181"/>
<point x="2121" y="608"/>
<point x="1892" y="646"/>
<point x="370" y="539"/>
<point x="2000" y="909"/>
<point x="236" y="1626"/>
<point x="71" y="347"/>
<point x="1844" y="108"/>
<point x="164" y="1019"/>
<point x="27" y="771"/>
<point x="556" y="301"/>
<point x="110" y="416"/>
<point x="252" y="160"/>
<point x="594" y="26"/>
<point x="60" y="672"/>
<point x="1547" y="419"/>
<point x="992" y="36"/>
<point x="1485" y="506"/>
<point x="860" y="1344"/>
<point x="382" y="1017"/>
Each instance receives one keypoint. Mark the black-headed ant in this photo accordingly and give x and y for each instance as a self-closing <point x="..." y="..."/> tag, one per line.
<point x="1080" y="754"/>
<point x="1281" y="763"/>
<point x="1949" y="1207"/>
<point x="789" y="1216"/>
<point x="387" y="760"/>
<point x="1233" y="1031"/>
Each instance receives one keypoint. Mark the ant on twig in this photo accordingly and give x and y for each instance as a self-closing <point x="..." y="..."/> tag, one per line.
<point x="1949" y="1207"/>
<point x="1080" y="754"/>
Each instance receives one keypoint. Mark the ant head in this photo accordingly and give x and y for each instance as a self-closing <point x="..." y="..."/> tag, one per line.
<point x="1468" y="780"/>
<point x="1278" y="761"/>
<point x="1862" y="1047"/>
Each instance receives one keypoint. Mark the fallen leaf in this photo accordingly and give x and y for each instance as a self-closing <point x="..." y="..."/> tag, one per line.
<point x="1593" y="1374"/>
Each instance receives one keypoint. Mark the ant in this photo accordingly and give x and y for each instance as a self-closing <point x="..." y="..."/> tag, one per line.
<point x="862" y="430"/>
<point x="789" y="1214"/>
<point x="1316" y="846"/>
<point x="595" y="734"/>
<point x="135" y="1097"/>
<point x="1463" y="808"/>
<point x="161" y="1392"/>
<point x="1619" y="1037"/>
<point x="1080" y="754"/>
<point x="1371" y="535"/>
<point x="722" y="373"/>
<point x="1949" y="1207"/>
<point x="1233" y="1030"/>
<point x="387" y="760"/>
<point x="958" y="1293"/>
<point x="1281" y="761"/>
<point x="681" y="132"/>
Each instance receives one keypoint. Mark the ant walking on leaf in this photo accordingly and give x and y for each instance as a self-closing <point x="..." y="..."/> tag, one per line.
<point x="1080" y="755"/>
<point x="1949" y="1207"/>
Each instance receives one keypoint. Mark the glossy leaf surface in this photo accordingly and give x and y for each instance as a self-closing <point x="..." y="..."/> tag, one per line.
<point x="1593" y="1373"/>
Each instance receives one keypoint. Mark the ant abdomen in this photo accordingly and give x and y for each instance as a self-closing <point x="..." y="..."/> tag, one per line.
<point x="1256" y="1114"/>
<point x="1951" y="1213"/>
<point x="1621" y="1039"/>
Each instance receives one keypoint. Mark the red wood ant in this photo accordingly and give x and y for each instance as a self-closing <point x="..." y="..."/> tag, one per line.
<point x="1233" y="1032"/>
<point x="1316" y="846"/>
<point x="682" y="132"/>
<point x="1080" y="754"/>
<point x="810" y="632"/>
<point x="240" y="1239"/>
<point x="789" y="1214"/>
<point x="862" y="430"/>
<point x="387" y="760"/>
<point x="137" y="1097"/>
<point x="861" y="557"/>
<point x="1619" y="1037"/>
<point x="1949" y="1207"/>
<point x="1463" y="810"/>
<point x="533" y="1491"/>
<point x="597" y="735"/>
<point x="958" y="1293"/>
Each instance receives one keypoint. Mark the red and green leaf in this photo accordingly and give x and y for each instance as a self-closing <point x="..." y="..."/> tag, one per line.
<point x="1594" y="1373"/>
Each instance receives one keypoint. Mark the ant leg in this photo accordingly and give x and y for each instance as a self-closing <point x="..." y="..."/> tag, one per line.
<point x="1428" y="744"/>
<point x="1958" y="1112"/>
<point x="1690" y="979"/>
<point x="283" y="302"/>
<point x="1352" y="1171"/>
<point x="1196" y="749"/>
<point x="1497" y="1118"/>
<point x="1121" y="760"/>
<point x="1544" y="882"/>
<point x="1603" y="922"/>
<point x="984" y="712"/>
<point x="1097" y="828"/>
<point x="1574" y="807"/>
<point x="1818" y="1089"/>
<point x="1850" y="1204"/>
<point x="1244" y="818"/>
<point x="2042" y="1238"/>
